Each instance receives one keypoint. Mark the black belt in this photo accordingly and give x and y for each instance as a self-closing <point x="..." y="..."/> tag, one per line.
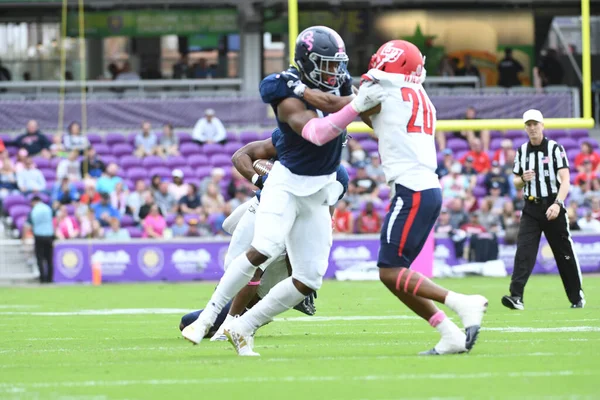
<point x="540" y="200"/>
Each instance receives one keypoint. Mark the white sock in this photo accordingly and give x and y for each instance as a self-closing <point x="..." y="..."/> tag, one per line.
<point x="448" y="328"/>
<point x="455" y="300"/>
<point x="281" y="298"/>
<point x="237" y="276"/>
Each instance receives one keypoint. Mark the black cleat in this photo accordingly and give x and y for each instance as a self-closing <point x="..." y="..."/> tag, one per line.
<point x="307" y="306"/>
<point x="579" y="304"/>
<point x="513" y="302"/>
<point x="472" y="333"/>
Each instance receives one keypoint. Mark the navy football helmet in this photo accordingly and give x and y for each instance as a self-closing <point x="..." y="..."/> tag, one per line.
<point x="321" y="57"/>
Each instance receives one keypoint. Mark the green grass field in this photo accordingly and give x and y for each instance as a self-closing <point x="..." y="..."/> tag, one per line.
<point x="362" y="344"/>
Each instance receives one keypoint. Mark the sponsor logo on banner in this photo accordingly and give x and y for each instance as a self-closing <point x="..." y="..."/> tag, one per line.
<point x="588" y="254"/>
<point x="354" y="263"/>
<point x="114" y="263"/>
<point x="151" y="260"/>
<point x="191" y="261"/>
<point x="70" y="262"/>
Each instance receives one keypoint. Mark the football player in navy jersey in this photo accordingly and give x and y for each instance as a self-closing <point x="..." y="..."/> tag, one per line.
<point x="294" y="212"/>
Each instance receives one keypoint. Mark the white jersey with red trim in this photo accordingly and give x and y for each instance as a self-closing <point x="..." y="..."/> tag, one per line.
<point x="405" y="127"/>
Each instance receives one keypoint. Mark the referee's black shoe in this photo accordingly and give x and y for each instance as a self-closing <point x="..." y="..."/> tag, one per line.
<point x="579" y="304"/>
<point x="513" y="302"/>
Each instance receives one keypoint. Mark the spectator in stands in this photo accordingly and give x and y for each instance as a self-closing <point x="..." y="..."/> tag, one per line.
<point x="169" y="142"/>
<point x="135" y="199"/>
<point x="586" y="176"/>
<point x="64" y="192"/>
<point x="509" y="223"/>
<point x="126" y="73"/>
<point x="5" y="74"/>
<point x="469" y="170"/>
<point x="497" y="175"/>
<point x="375" y="169"/>
<point x="190" y="203"/>
<point x="589" y="223"/>
<point x="503" y="154"/>
<point x="74" y="140"/>
<point x="154" y="224"/>
<point x="455" y="184"/>
<point x="201" y="226"/>
<point x="148" y="203"/>
<point x="179" y="228"/>
<point x="470" y="201"/>
<point x="443" y="169"/>
<point x="468" y="68"/>
<point x="238" y="183"/>
<point x="595" y="207"/>
<point x="90" y="226"/>
<point x="497" y="199"/>
<point x="20" y="160"/>
<point x="481" y="160"/>
<point x="90" y="195"/>
<point x="572" y="214"/>
<point x="216" y="176"/>
<point x="486" y="217"/>
<point x="587" y="153"/>
<point x="104" y="211"/>
<point x="458" y="216"/>
<point x="213" y="201"/>
<point x="65" y="226"/>
<point x="446" y="68"/>
<point x="443" y="224"/>
<point x="369" y="220"/>
<point x="508" y="70"/>
<point x="343" y="221"/>
<point x="31" y="179"/>
<point x="240" y="197"/>
<point x="549" y="70"/>
<point x="473" y="225"/>
<point x="116" y="232"/>
<point x="34" y="141"/>
<point x="366" y="187"/>
<point x="3" y="151"/>
<point x="165" y="200"/>
<point x="358" y="155"/>
<point x="209" y="129"/>
<point x="146" y="142"/>
<point x="118" y="198"/>
<point x="577" y="194"/>
<point x="109" y="179"/>
<point x="70" y="167"/>
<point x="181" y="69"/>
<point x="352" y="197"/>
<point x="155" y="184"/>
<point x="201" y="70"/>
<point x="519" y="200"/>
<point x="57" y="149"/>
<point x="219" y="218"/>
<point x="91" y="165"/>
<point x="8" y="180"/>
<point x="178" y="188"/>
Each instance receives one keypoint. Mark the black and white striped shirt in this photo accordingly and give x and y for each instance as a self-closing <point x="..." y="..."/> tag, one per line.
<point x="545" y="159"/>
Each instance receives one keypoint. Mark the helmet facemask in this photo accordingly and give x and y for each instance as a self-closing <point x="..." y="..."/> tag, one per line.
<point x="328" y="72"/>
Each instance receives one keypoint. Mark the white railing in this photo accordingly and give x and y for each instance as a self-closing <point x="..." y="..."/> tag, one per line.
<point x="17" y="260"/>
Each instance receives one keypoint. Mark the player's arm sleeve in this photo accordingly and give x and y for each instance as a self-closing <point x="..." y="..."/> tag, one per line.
<point x="326" y="102"/>
<point x="244" y="157"/>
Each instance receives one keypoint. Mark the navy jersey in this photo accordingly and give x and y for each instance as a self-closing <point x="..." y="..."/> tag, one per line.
<point x="297" y="154"/>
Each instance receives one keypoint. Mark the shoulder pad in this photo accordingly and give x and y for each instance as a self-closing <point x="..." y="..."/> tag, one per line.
<point x="274" y="87"/>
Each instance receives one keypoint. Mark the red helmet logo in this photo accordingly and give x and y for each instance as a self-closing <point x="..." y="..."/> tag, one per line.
<point x="398" y="56"/>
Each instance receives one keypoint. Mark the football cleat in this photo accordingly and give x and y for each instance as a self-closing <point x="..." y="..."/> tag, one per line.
<point x="579" y="304"/>
<point x="448" y="345"/>
<point x="219" y="335"/>
<point x="196" y="331"/>
<point x="307" y="306"/>
<point x="513" y="302"/>
<point x="242" y="344"/>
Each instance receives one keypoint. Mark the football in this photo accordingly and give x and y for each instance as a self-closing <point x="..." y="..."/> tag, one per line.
<point x="262" y="167"/>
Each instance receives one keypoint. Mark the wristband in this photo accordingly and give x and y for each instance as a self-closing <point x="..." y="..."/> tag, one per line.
<point x="255" y="178"/>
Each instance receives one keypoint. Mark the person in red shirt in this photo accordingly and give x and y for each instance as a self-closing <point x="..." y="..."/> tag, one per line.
<point x="502" y="154"/>
<point x="587" y="153"/>
<point x="342" y="218"/>
<point x="481" y="160"/>
<point x="473" y="226"/>
<point x="369" y="221"/>
<point x="586" y="175"/>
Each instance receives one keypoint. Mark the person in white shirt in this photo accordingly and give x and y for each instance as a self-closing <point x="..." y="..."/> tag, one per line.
<point x="209" y="129"/>
<point x="70" y="167"/>
<point x="589" y="224"/>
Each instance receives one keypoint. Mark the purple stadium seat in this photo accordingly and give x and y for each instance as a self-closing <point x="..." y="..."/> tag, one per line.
<point x="131" y="138"/>
<point x="127" y="220"/>
<point x="220" y="160"/>
<point x="12" y="151"/>
<point x="20" y="222"/>
<point x="590" y="140"/>
<point x="163" y="172"/>
<point x="94" y="138"/>
<point x="127" y="162"/>
<point x="457" y="144"/>
<point x="203" y="172"/>
<point x="351" y="171"/>
<point x="232" y="147"/>
<point x="153" y="161"/>
<point x="249" y="136"/>
<point x="134" y="232"/>
<point x="495" y="144"/>
<point x="122" y="149"/>
<point x="578" y="134"/>
<point x="137" y="173"/>
<point x="102" y="149"/>
<point x="170" y="219"/>
<point x="569" y="143"/>
<point x="13" y="200"/>
<point x="184" y="137"/>
<point x="114" y="138"/>
<point x="54" y="162"/>
<point x="197" y="160"/>
<point x="479" y="180"/>
<point x="212" y="148"/>
<point x="479" y="191"/>
<point x="70" y="209"/>
<point x="49" y="185"/>
<point x="497" y="135"/>
<point x="176" y="162"/>
<point x="187" y="149"/>
<point x="19" y="210"/>
<point x="79" y="186"/>
<point x="49" y="174"/>
<point x="187" y="171"/>
<point x="384" y="193"/>
<point x="572" y="153"/>
<point x="232" y="137"/>
<point x="41" y="163"/>
<point x="109" y="159"/>
<point x="555" y="133"/>
<point x="369" y="145"/>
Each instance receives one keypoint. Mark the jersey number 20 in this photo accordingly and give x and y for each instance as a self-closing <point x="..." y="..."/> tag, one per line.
<point x="419" y="101"/>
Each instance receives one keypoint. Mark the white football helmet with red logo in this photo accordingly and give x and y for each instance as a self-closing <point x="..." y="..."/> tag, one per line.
<point x="398" y="57"/>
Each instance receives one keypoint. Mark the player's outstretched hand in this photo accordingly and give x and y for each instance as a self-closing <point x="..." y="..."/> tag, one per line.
<point x="369" y="95"/>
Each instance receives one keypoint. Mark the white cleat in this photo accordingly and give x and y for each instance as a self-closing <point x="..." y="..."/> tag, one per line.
<point x="243" y="344"/>
<point x="219" y="336"/>
<point x="471" y="314"/>
<point x="196" y="331"/>
<point x="448" y="345"/>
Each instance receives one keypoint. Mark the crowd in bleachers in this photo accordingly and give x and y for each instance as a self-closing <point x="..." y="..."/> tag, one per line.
<point x="177" y="184"/>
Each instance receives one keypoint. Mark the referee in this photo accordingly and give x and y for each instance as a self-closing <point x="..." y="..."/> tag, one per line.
<point x="542" y="170"/>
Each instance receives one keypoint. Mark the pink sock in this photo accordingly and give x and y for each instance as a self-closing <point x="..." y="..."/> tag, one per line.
<point x="437" y="318"/>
